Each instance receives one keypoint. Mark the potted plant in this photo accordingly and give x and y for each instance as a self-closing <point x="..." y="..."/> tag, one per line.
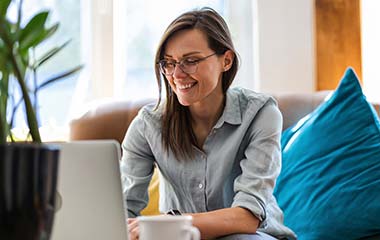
<point x="28" y="170"/>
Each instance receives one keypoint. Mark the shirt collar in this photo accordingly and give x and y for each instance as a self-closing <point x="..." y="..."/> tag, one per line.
<point x="231" y="113"/>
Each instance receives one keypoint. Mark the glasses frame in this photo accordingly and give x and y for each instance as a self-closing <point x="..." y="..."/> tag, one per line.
<point x="180" y="65"/>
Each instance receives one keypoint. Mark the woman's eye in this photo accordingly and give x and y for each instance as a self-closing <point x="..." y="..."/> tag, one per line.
<point x="169" y="64"/>
<point x="190" y="61"/>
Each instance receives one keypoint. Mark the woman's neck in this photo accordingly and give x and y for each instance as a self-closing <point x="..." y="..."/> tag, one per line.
<point x="205" y="114"/>
<point x="204" y="117"/>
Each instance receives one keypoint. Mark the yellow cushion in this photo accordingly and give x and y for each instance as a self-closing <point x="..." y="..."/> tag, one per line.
<point x="152" y="207"/>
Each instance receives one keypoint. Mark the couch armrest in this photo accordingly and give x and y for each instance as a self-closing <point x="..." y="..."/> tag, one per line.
<point x="106" y="121"/>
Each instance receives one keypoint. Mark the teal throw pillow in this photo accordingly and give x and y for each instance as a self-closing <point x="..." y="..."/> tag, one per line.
<point x="329" y="186"/>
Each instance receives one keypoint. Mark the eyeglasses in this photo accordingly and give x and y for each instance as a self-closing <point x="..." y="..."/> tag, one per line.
<point x="187" y="65"/>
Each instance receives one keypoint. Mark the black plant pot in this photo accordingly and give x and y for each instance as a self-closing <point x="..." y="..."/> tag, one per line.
<point x="28" y="180"/>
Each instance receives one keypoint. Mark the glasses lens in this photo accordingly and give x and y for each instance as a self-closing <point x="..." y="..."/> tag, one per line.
<point x="188" y="66"/>
<point x="166" y="67"/>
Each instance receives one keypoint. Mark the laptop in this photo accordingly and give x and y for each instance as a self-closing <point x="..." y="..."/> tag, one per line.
<point x="92" y="205"/>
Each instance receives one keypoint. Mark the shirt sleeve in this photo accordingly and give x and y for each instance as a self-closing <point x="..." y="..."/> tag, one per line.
<point x="262" y="163"/>
<point x="137" y="165"/>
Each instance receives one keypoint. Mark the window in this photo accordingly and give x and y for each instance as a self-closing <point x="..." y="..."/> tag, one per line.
<point x="127" y="33"/>
<point x="371" y="48"/>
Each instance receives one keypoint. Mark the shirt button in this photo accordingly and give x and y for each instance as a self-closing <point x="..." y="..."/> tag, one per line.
<point x="200" y="185"/>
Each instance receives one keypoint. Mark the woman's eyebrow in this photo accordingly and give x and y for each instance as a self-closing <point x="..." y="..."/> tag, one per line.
<point x="184" y="55"/>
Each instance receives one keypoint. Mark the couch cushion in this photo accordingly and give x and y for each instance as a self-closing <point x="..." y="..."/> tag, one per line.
<point x="329" y="187"/>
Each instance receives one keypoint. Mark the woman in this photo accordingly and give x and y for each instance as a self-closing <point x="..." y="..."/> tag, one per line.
<point x="217" y="148"/>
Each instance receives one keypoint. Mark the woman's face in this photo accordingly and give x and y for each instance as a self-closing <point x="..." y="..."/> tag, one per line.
<point x="205" y="83"/>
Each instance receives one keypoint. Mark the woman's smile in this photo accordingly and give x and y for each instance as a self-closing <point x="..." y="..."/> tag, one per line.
<point x="185" y="86"/>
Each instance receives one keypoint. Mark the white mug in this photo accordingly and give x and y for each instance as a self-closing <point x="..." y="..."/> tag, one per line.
<point x="167" y="227"/>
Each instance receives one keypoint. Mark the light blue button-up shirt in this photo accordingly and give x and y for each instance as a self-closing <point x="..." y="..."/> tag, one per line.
<point x="238" y="166"/>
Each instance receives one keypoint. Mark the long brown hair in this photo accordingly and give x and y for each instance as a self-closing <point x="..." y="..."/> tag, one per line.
<point x="177" y="133"/>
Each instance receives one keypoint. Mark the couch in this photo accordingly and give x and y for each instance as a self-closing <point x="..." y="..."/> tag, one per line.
<point x="111" y="121"/>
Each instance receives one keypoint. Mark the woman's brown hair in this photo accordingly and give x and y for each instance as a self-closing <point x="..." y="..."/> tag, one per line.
<point x="177" y="133"/>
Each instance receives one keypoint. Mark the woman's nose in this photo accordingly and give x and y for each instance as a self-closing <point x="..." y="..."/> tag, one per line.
<point x="178" y="72"/>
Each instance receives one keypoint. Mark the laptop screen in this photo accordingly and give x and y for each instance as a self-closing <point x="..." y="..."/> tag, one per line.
<point x="90" y="187"/>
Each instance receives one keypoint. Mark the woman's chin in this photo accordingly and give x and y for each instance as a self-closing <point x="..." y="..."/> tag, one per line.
<point x="184" y="102"/>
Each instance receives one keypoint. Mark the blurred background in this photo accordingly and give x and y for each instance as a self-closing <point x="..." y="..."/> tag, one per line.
<point x="284" y="46"/>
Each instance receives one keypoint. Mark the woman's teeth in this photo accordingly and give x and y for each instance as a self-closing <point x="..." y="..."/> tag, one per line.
<point x="185" y="86"/>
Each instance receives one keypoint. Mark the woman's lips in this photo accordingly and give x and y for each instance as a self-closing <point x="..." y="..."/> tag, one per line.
<point x="184" y="86"/>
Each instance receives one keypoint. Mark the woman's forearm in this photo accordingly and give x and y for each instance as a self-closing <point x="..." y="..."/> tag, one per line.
<point x="225" y="222"/>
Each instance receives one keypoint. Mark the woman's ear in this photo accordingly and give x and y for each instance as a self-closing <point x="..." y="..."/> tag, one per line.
<point x="229" y="57"/>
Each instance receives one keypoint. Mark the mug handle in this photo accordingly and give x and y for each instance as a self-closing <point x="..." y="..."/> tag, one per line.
<point x="194" y="232"/>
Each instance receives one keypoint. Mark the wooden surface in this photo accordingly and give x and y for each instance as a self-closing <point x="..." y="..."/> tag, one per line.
<point x="337" y="40"/>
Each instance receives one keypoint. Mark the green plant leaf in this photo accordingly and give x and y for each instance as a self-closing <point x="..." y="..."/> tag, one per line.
<point x="18" y="70"/>
<point x="4" y="82"/>
<point x="36" y="24"/>
<point x="25" y="58"/>
<point x="50" y="31"/>
<point x="59" y="76"/>
<point x="45" y="34"/>
<point x="30" y="113"/>
<point x="49" y="55"/>
<point x="4" y="127"/>
<point x="3" y="55"/>
<point x="4" y="4"/>
<point x="19" y="15"/>
<point x="33" y="31"/>
<point x="6" y="35"/>
<point x="22" y="67"/>
<point x="12" y="32"/>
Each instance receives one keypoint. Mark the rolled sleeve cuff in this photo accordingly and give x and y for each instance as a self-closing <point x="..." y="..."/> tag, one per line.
<point x="253" y="204"/>
<point x="131" y="214"/>
<point x="136" y="195"/>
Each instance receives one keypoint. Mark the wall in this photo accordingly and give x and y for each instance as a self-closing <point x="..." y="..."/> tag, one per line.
<point x="284" y="35"/>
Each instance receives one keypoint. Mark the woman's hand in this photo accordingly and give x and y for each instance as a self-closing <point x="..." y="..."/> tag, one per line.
<point x="133" y="229"/>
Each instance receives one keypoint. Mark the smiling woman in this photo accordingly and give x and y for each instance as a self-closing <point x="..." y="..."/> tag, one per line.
<point x="206" y="75"/>
<point x="217" y="147"/>
<point x="115" y="40"/>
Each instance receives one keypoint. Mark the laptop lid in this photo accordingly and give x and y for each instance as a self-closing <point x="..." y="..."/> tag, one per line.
<point x="90" y="187"/>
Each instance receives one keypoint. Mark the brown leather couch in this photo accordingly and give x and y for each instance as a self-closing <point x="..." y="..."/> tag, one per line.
<point x="111" y="121"/>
